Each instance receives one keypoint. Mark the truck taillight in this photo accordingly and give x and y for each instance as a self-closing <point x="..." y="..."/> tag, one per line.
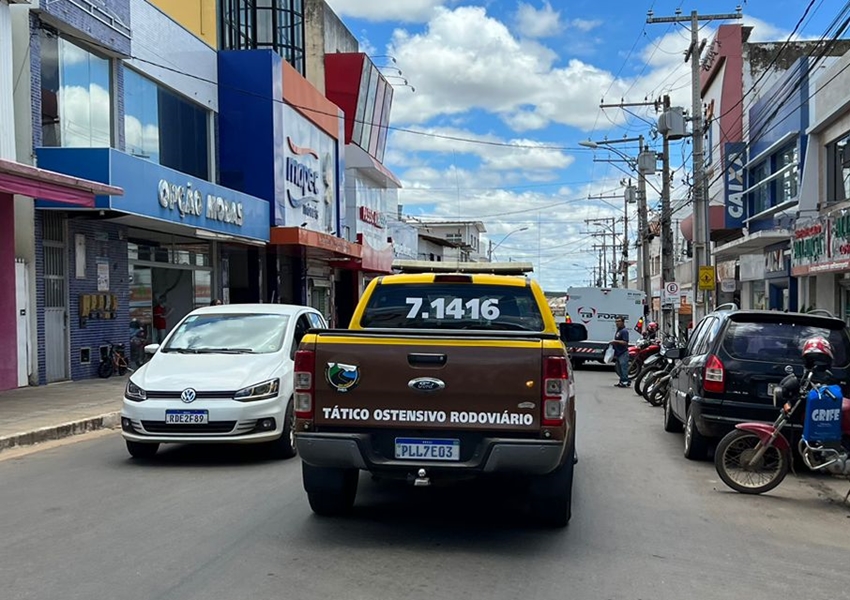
<point x="714" y="378"/>
<point x="555" y="390"/>
<point x="305" y="367"/>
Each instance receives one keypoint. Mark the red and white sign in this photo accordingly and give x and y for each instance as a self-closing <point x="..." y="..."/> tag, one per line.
<point x="372" y="217"/>
<point x="671" y="292"/>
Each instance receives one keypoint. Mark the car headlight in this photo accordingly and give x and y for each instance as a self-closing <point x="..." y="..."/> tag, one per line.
<point x="134" y="392"/>
<point x="261" y="391"/>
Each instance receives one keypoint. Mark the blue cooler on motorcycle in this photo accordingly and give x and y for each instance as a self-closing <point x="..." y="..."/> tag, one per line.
<point x="823" y="415"/>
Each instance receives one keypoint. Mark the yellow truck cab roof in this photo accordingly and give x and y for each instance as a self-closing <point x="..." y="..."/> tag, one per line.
<point x="493" y="274"/>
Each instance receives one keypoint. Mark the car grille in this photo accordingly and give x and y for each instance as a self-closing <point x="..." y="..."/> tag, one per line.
<point x="198" y="395"/>
<point x="211" y="427"/>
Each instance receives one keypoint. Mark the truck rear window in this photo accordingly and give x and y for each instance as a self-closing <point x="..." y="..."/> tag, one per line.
<point x="781" y="342"/>
<point x="453" y="306"/>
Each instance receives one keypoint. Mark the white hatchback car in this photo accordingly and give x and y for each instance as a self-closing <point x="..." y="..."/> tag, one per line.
<point x="223" y="374"/>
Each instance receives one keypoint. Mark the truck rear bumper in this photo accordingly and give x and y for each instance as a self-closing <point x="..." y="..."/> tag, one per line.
<point x="495" y="455"/>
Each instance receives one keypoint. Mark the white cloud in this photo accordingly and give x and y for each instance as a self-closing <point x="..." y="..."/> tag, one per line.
<point x="585" y="24"/>
<point x="140" y="139"/>
<point x="84" y="116"/>
<point x="408" y="11"/>
<point x="467" y="60"/>
<point x="535" y="23"/>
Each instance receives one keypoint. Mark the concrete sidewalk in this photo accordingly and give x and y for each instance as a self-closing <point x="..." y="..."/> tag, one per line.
<point x="37" y="414"/>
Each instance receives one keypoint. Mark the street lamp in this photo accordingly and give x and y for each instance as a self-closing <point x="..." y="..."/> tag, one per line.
<point x="492" y="247"/>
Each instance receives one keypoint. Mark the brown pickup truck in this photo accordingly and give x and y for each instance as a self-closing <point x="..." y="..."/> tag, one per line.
<point x="441" y="376"/>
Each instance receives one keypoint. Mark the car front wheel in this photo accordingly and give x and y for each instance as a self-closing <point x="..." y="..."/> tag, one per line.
<point x="284" y="446"/>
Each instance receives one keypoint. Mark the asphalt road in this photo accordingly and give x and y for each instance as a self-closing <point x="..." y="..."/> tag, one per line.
<point x="81" y="521"/>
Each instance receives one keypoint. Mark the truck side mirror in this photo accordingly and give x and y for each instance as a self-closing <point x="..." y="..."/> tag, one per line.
<point x="572" y="332"/>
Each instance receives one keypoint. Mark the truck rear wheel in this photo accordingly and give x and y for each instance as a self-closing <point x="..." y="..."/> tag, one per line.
<point x="331" y="492"/>
<point x="552" y="495"/>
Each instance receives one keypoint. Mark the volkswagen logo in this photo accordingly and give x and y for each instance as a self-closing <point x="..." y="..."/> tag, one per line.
<point x="188" y="395"/>
<point x="426" y="384"/>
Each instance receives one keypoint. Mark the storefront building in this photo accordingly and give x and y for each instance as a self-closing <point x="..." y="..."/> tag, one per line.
<point x="821" y="237"/>
<point x="282" y="140"/>
<point x="106" y="108"/>
<point x="163" y="243"/>
<point x="354" y="83"/>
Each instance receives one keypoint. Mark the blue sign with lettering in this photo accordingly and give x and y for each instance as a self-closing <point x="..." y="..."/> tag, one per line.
<point x="157" y="192"/>
<point x="735" y="157"/>
<point x="823" y="414"/>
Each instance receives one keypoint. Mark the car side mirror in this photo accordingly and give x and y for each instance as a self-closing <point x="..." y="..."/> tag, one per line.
<point x="676" y="353"/>
<point x="572" y="332"/>
<point x="151" y="348"/>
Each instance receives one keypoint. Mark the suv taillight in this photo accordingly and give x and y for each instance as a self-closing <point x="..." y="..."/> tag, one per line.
<point x="714" y="378"/>
<point x="305" y="367"/>
<point x="555" y="390"/>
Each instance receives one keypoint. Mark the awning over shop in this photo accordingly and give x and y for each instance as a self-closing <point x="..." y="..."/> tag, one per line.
<point x="751" y="244"/>
<point x="26" y="180"/>
<point x="330" y="246"/>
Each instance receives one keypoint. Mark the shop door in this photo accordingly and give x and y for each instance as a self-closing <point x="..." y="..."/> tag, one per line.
<point x="55" y="303"/>
<point x="22" y="312"/>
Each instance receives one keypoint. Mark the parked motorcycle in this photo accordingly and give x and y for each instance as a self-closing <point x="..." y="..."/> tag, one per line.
<point x="755" y="457"/>
<point x="638" y="354"/>
<point x="651" y="364"/>
<point x="657" y="384"/>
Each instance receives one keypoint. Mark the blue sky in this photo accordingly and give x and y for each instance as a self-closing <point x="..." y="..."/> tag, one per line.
<point x="522" y="82"/>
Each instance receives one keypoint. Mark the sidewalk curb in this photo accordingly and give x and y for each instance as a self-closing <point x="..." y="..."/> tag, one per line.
<point x="110" y="420"/>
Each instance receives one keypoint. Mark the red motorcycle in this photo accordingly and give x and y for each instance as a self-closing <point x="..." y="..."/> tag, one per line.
<point x="643" y="349"/>
<point x="755" y="457"/>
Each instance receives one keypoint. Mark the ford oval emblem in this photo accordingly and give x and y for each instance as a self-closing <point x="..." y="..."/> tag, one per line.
<point x="426" y="384"/>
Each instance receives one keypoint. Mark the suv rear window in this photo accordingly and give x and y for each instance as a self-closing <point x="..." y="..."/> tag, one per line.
<point x="780" y="342"/>
<point x="453" y="306"/>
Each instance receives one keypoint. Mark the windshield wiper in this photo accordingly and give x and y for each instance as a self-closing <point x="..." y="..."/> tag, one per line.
<point x="224" y="351"/>
<point x="182" y="350"/>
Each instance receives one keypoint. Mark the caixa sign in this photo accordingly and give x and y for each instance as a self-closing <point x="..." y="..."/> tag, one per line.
<point x="735" y="159"/>
<point x="188" y="201"/>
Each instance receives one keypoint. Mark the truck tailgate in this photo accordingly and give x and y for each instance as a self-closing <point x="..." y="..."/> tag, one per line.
<point x="409" y="382"/>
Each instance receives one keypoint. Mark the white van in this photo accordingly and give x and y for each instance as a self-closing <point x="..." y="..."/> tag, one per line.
<point x="597" y="309"/>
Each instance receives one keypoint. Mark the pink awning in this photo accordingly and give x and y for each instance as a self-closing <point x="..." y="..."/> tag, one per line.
<point x="26" y="180"/>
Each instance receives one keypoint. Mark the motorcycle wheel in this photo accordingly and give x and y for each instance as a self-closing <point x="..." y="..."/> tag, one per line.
<point x="735" y="449"/>
<point x="634" y="368"/>
<point x="639" y="381"/>
<point x="648" y="382"/>
<point x="655" y="396"/>
<point x="105" y="369"/>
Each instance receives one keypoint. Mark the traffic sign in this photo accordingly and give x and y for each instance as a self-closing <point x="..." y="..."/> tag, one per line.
<point x="671" y="292"/>
<point x="707" y="278"/>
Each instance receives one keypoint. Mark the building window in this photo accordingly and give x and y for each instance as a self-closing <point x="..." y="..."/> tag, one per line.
<point x="76" y="107"/>
<point x="788" y="183"/>
<point x="273" y="24"/>
<point x="838" y="170"/>
<point x="455" y="238"/>
<point x="165" y="128"/>
<point x="761" y="195"/>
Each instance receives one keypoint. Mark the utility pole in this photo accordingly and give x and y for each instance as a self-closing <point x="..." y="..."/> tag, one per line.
<point x="628" y="198"/>
<point x="602" y="277"/>
<point x="610" y="226"/>
<point x="643" y="225"/>
<point x="668" y="273"/>
<point x="701" y="232"/>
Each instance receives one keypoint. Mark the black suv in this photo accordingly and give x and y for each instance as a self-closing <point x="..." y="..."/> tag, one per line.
<point x="733" y="361"/>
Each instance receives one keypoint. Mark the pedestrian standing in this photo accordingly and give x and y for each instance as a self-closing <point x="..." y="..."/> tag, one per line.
<point x="160" y="319"/>
<point x="621" y="353"/>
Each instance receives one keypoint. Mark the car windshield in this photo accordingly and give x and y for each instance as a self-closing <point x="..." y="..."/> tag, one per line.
<point x="453" y="306"/>
<point x="229" y="334"/>
<point x="780" y="342"/>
